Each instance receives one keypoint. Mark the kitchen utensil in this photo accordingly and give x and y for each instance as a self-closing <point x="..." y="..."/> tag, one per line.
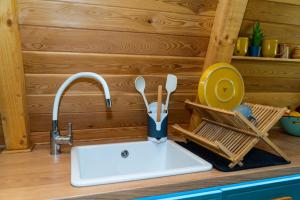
<point x="241" y="46"/>
<point x="171" y="86"/>
<point x="140" y="87"/>
<point x="269" y="48"/>
<point x="159" y="98"/>
<point x="291" y="125"/>
<point x="221" y="86"/>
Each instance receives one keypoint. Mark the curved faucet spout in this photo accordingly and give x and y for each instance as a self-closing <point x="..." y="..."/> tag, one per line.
<point x="72" y="78"/>
<point x="56" y="140"/>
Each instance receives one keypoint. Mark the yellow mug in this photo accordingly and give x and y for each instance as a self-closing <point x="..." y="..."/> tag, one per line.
<point x="241" y="46"/>
<point x="269" y="48"/>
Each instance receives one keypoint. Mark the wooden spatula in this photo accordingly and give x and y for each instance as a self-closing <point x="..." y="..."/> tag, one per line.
<point x="159" y="98"/>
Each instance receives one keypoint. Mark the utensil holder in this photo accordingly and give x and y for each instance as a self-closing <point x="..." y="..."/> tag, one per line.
<point x="157" y="131"/>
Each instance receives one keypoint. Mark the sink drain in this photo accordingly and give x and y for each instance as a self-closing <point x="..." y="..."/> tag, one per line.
<point x="124" y="154"/>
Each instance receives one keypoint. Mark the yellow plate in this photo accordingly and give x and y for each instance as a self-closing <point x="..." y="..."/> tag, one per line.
<point x="221" y="86"/>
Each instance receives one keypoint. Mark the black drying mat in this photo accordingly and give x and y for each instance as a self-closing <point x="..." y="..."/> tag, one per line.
<point x="254" y="159"/>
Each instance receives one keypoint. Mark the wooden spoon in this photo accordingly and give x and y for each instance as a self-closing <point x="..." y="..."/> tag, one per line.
<point x="159" y="98"/>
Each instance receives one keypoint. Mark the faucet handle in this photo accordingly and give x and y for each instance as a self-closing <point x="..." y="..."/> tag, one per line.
<point x="70" y="133"/>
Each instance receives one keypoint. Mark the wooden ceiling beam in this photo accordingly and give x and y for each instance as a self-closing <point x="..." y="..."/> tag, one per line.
<point x="225" y="30"/>
<point x="12" y="84"/>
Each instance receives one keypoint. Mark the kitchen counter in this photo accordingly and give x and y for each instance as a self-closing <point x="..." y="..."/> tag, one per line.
<point x="38" y="175"/>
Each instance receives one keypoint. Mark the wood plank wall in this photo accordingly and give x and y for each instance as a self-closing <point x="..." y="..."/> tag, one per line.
<point x="1" y="135"/>
<point x="272" y="82"/>
<point x="122" y="39"/>
<point x="119" y="40"/>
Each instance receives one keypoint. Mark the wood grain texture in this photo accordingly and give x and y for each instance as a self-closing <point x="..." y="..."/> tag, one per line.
<point x="269" y="76"/>
<point x="80" y="103"/>
<point x="292" y="2"/>
<point x="49" y="83"/>
<point x="119" y="40"/>
<point x="278" y="99"/>
<point x="96" y="41"/>
<point x="37" y="175"/>
<point x="227" y="23"/>
<point x="225" y="30"/>
<point x="279" y="19"/>
<point x="273" y="12"/>
<point x="276" y="70"/>
<point x="2" y="142"/>
<point x="271" y="84"/>
<point x="97" y="120"/>
<point x="83" y="16"/>
<point x="12" y="86"/>
<point x="103" y="135"/>
<point x="285" y="33"/>
<point x="194" y="7"/>
<point x="114" y="64"/>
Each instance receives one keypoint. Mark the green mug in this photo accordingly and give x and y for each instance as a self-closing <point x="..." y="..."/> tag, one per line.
<point x="269" y="48"/>
<point x="241" y="46"/>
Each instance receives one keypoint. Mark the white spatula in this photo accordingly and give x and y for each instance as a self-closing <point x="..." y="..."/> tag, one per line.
<point x="140" y="87"/>
<point x="171" y="86"/>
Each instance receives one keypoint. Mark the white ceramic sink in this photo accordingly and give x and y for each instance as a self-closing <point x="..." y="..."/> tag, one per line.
<point x="102" y="164"/>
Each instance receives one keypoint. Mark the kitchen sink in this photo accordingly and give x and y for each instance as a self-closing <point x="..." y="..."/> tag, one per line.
<point x="119" y="162"/>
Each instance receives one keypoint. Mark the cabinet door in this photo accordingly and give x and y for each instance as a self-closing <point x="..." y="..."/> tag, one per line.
<point x="276" y="188"/>
<point x="202" y="194"/>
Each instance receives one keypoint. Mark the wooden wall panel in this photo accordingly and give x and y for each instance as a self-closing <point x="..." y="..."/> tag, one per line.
<point x="291" y="2"/>
<point x="273" y="12"/>
<point x="194" y="7"/>
<point x="280" y="99"/>
<point x="104" y="135"/>
<point x="274" y="83"/>
<point x="80" y="103"/>
<point x="279" y="19"/>
<point x="283" y="32"/>
<point x="261" y="68"/>
<point x="84" y="16"/>
<point x="267" y="84"/>
<point x="1" y="134"/>
<point x="115" y="64"/>
<point x="269" y="76"/>
<point x="118" y="40"/>
<point x="49" y="83"/>
<point x="97" y="41"/>
<point x="97" y="120"/>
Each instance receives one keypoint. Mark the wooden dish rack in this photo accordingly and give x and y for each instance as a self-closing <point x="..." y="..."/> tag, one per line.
<point x="230" y="134"/>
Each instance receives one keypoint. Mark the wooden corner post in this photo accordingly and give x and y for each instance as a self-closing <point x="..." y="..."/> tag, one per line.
<point x="225" y="30"/>
<point x="12" y="83"/>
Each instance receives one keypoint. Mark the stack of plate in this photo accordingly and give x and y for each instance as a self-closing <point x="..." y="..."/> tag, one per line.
<point x="296" y="53"/>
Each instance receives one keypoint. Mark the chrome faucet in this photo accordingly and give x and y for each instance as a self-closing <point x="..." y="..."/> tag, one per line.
<point x="56" y="139"/>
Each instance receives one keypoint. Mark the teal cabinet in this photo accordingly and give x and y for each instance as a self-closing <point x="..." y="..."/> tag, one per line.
<point x="201" y="194"/>
<point x="264" y="189"/>
<point x="287" y="187"/>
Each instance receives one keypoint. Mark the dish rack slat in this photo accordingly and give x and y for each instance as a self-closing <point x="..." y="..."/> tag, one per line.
<point x="230" y="134"/>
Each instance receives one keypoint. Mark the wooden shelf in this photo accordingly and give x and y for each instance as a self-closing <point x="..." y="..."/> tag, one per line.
<point x="265" y="59"/>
